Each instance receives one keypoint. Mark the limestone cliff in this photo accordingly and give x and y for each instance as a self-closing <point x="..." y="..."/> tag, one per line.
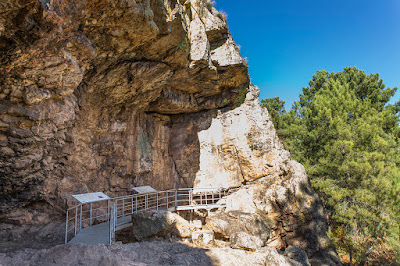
<point x="89" y="90"/>
<point x="105" y="95"/>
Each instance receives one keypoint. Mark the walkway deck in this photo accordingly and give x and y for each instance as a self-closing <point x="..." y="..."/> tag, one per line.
<point x="119" y="214"/>
<point x="99" y="233"/>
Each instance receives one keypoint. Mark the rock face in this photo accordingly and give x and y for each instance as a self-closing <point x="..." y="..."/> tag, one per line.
<point x="105" y="95"/>
<point x="88" y="95"/>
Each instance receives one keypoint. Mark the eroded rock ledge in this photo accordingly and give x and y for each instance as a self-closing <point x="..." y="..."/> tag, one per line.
<point x="104" y="95"/>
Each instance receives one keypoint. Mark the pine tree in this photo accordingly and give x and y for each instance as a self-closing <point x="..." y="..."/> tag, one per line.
<point x="276" y="109"/>
<point x="347" y="136"/>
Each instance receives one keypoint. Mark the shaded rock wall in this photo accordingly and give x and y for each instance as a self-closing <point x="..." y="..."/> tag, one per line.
<point x="88" y="90"/>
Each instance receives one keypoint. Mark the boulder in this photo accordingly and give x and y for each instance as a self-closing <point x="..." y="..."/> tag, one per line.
<point x="245" y="241"/>
<point x="229" y="223"/>
<point x="297" y="254"/>
<point x="153" y="223"/>
<point x="203" y="236"/>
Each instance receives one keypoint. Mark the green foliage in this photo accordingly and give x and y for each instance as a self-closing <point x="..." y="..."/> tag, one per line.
<point x="276" y="108"/>
<point x="347" y="136"/>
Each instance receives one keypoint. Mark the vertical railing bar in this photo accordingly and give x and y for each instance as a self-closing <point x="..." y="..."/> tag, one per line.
<point x="123" y="207"/>
<point x="135" y="203"/>
<point x="131" y="205"/>
<point x="90" y="213"/>
<point x="66" y="229"/>
<point x="166" y="197"/>
<point x="110" y="225"/>
<point x="176" y="198"/>
<point x="115" y="216"/>
<point x="80" y="220"/>
<point x="108" y="210"/>
<point x="76" y="220"/>
<point x="157" y="200"/>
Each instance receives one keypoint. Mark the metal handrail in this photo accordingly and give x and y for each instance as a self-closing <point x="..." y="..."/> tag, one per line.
<point x="135" y="203"/>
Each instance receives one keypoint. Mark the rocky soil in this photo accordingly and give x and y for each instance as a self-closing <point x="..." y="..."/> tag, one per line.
<point x="146" y="253"/>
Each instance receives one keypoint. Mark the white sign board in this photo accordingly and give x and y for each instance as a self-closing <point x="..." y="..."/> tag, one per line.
<point x="144" y="189"/>
<point x="91" y="197"/>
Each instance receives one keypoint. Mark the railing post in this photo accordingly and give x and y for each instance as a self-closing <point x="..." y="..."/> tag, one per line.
<point x="66" y="229"/>
<point x="166" y="197"/>
<point x="123" y="207"/>
<point x="90" y="213"/>
<point x="145" y="201"/>
<point x="131" y="205"/>
<point x="157" y="200"/>
<point x="80" y="220"/>
<point x="110" y="224"/>
<point x="190" y="196"/>
<point x="76" y="220"/>
<point x="135" y="203"/>
<point x="108" y="210"/>
<point x="176" y="198"/>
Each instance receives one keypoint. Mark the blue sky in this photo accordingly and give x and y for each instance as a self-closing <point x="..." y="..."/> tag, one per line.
<point x="287" y="41"/>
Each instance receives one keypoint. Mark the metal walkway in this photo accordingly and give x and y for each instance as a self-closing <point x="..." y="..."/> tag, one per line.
<point x="97" y="222"/>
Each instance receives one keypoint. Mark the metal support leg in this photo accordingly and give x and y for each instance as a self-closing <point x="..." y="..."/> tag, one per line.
<point x="110" y="225"/>
<point x="90" y="213"/>
<point x="123" y="207"/>
<point x="176" y="198"/>
<point x="66" y="229"/>
<point x="80" y="220"/>
<point x="135" y="203"/>
<point x="108" y="210"/>
<point x="76" y="220"/>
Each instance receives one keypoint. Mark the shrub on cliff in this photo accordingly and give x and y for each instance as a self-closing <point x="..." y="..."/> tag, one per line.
<point x="347" y="136"/>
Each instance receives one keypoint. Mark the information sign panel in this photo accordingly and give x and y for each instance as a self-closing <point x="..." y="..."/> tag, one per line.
<point x="144" y="189"/>
<point x="91" y="197"/>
